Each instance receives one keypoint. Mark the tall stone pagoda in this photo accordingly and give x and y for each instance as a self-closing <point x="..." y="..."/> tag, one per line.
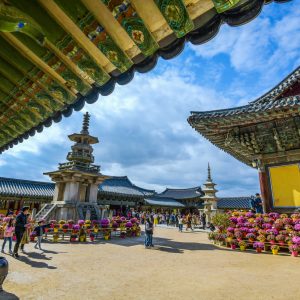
<point x="77" y="181"/>
<point x="210" y="198"/>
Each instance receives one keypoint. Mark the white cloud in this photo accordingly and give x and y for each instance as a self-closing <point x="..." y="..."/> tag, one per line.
<point x="263" y="45"/>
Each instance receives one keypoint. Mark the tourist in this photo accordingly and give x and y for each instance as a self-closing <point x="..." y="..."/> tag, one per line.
<point x="256" y="204"/>
<point x="10" y="213"/>
<point x="8" y="234"/>
<point x="25" y="238"/>
<point x="40" y="230"/>
<point x="180" y="223"/>
<point x="189" y="222"/>
<point x="20" y="228"/>
<point x="155" y="218"/>
<point x="203" y="220"/>
<point x="148" y="233"/>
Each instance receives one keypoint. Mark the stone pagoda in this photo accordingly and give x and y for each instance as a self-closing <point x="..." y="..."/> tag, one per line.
<point x="76" y="181"/>
<point x="210" y="198"/>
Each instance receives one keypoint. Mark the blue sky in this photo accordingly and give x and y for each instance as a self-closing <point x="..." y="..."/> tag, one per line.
<point x="142" y="126"/>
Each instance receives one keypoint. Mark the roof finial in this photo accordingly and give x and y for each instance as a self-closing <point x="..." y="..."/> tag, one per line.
<point x="85" y="123"/>
<point x="209" y="175"/>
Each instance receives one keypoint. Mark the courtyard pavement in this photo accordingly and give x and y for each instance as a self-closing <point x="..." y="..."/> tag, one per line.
<point x="183" y="266"/>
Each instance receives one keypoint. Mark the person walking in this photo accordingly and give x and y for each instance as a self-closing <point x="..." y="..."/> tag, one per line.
<point x="20" y="227"/>
<point x="203" y="221"/>
<point x="180" y="223"/>
<point x="148" y="233"/>
<point x="8" y="234"/>
<point x="40" y="230"/>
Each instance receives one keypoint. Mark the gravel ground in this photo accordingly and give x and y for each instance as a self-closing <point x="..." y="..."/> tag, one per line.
<point x="182" y="266"/>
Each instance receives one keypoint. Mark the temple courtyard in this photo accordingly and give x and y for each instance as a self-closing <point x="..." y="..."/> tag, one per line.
<point x="182" y="266"/>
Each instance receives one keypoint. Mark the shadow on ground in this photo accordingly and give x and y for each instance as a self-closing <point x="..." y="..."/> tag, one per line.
<point x="8" y="296"/>
<point x="35" y="264"/>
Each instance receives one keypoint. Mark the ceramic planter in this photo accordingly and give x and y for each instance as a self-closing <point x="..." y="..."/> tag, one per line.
<point x="233" y="247"/>
<point x="294" y="253"/>
<point x="258" y="250"/>
<point x="106" y="237"/>
<point x="242" y="248"/>
<point x="274" y="251"/>
<point x="3" y="271"/>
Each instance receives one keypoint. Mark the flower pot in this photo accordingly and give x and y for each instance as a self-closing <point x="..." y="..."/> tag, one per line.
<point x="258" y="250"/>
<point x="294" y="253"/>
<point x="242" y="248"/>
<point x="106" y="237"/>
<point x="55" y="238"/>
<point x="65" y="230"/>
<point x="92" y="238"/>
<point x="81" y="239"/>
<point x="73" y="239"/>
<point x="55" y="229"/>
<point x="233" y="247"/>
<point x="3" y="271"/>
<point x="275" y="251"/>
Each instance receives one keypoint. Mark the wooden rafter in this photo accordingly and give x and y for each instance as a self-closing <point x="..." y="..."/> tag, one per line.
<point x="153" y="18"/>
<point x="71" y="28"/>
<point x="112" y="26"/>
<point x="28" y="54"/>
<point x="69" y="63"/>
<point x="196" y="8"/>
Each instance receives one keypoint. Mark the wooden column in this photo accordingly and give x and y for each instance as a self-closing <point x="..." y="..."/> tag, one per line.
<point x="265" y="190"/>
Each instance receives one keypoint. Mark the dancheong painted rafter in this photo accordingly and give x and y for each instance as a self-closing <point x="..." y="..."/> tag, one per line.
<point x="55" y="55"/>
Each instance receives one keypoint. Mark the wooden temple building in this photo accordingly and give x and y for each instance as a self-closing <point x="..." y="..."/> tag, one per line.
<point x="55" y="55"/>
<point x="265" y="134"/>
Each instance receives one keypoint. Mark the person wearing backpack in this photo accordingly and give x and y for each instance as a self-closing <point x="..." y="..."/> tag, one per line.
<point x="148" y="233"/>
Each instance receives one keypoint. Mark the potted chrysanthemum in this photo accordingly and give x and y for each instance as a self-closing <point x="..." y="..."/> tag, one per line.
<point x="280" y="238"/>
<point x="258" y="246"/>
<point x="271" y="239"/>
<point x="275" y="249"/>
<point x="233" y="244"/>
<point x="92" y="236"/>
<point x="294" y="249"/>
<point x="65" y="227"/>
<point x="251" y="237"/>
<point x="243" y="245"/>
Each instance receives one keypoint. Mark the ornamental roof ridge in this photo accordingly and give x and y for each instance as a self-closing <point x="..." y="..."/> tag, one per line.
<point x="25" y="181"/>
<point x="262" y="103"/>
<point x="181" y="189"/>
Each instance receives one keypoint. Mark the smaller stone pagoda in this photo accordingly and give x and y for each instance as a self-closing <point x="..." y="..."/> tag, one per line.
<point x="77" y="181"/>
<point x="210" y="198"/>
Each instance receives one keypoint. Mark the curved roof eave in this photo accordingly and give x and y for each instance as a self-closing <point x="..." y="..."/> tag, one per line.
<point x="240" y="14"/>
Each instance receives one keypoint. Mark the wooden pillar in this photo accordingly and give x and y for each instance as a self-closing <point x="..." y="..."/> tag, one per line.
<point x="265" y="190"/>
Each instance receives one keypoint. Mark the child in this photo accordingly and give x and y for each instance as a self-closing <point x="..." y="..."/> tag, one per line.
<point x="40" y="230"/>
<point x="8" y="233"/>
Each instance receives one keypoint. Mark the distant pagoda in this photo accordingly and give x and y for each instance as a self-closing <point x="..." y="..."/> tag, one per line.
<point x="77" y="181"/>
<point x="81" y="157"/>
<point x="210" y="198"/>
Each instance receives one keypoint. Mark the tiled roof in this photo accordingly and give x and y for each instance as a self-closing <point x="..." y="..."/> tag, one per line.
<point x="269" y="101"/>
<point x="234" y="203"/>
<point x="165" y="202"/>
<point x="189" y="193"/>
<point x="122" y="185"/>
<point x="25" y="188"/>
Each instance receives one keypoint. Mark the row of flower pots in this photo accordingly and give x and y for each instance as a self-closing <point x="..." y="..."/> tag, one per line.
<point x="260" y="231"/>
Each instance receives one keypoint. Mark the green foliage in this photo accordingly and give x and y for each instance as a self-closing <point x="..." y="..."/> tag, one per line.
<point x="221" y="221"/>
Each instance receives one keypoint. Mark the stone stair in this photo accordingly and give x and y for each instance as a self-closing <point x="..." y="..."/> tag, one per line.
<point x="45" y="212"/>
